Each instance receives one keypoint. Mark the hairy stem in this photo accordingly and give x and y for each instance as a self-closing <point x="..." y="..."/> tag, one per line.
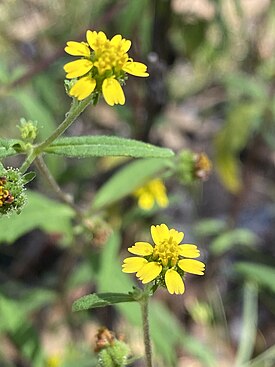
<point x="146" y="332"/>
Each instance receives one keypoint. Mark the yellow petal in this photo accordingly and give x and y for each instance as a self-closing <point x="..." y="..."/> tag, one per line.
<point x="83" y="88"/>
<point x="149" y="272"/>
<point x="135" y="68"/>
<point x="189" y="250"/>
<point x="77" y="49"/>
<point x="78" y="68"/>
<point x="133" y="264"/>
<point x="95" y="39"/>
<point x="146" y="201"/>
<point x="141" y="248"/>
<point x="112" y="92"/>
<point x="177" y="236"/>
<point x="159" y="233"/>
<point x="192" y="266"/>
<point x="120" y="42"/>
<point x="116" y="39"/>
<point x="174" y="282"/>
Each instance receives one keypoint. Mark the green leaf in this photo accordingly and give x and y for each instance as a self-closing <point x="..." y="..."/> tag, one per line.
<point x="100" y="300"/>
<point x="102" y="146"/>
<point x="227" y="240"/>
<point x="266" y="359"/>
<point x="11" y="315"/>
<point x="249" y="324"/>
<point x="263" y="275"/>
<point x="122" y="183"/>
<point x="28" y="177"/>
<point x="242" y="120"/>
<point x="39" y="212"/>
<point x="209" y="227"/>
<point x="7" y="147"/>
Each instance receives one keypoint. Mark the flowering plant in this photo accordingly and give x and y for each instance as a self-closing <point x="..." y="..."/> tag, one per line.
<point x="102" y="68"/>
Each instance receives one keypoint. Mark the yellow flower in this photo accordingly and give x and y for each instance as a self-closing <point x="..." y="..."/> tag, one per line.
<point x="153" y="192"/>
<point x="166" y="262"/>
<point x="54" y="361"/>
<point x="103" y="66"/>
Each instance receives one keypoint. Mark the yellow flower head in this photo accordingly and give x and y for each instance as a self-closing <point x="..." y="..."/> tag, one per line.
<point x="103" y="66"/>
<point x="153" y="192"/>
<point x="166" y="262"/>
<point x="54" y="361"/>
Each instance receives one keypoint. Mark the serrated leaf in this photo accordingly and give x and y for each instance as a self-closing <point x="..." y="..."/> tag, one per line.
<point x="100" y="300"/>
<point x="128" y="179"/>
<point x="227" y="240"/>
<point x="39" y="212"/>
<point x="262" y="274"/>
<point x="102" y="146"/>
<point x="7" y="147"/>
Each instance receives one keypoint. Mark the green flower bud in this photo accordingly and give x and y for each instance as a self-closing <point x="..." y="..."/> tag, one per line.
<point x="115" y="355"/>
<point x="111" y="351"/>
<point x="185" y="168"/>
<point x="12" y="191"/>
<point x="28" y="130"/>
<point x="192" y="166"/>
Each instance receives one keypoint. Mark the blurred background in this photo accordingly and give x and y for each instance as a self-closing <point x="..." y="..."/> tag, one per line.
<point x="211" y="89"/>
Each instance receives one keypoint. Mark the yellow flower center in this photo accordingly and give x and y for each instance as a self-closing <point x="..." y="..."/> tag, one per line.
<point x="167" y="252"/>
<point x="109" y="57"/>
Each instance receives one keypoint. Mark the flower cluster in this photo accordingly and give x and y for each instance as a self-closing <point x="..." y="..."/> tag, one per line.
<point x="102" y="68"/>
<point x="153" y="192"/>
<point x="166" y="262"/>
<point x="12" y="191"/>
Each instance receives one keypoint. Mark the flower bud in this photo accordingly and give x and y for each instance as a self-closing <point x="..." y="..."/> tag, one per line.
<point x="28" y="130"/>
<point x="112" y="352"/>
<point x="192" y="166"/>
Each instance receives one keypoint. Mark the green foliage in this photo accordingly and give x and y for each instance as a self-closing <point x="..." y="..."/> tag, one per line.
<point x="209" y="227"/>
<point x="102" y="146"/>
<point x="249" y="324"/>
<point x="121" y="183"/>
<point x="100" y="300"/>
<point x="232" y="238"/>
<point x="8" y="147"/>
<point x="242" y="120"/>
<point x="263" y="275"/>
<point x="40" y="212"/>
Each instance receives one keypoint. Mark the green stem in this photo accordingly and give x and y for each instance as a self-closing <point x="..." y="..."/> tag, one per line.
<point x="71" y="116"/>
<point x="146" y="332"/>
